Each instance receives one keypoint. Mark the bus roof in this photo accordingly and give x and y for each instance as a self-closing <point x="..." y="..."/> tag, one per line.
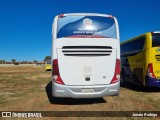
<point x="132" y="39"/>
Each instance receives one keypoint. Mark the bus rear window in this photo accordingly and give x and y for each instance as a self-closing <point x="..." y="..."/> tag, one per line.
<point x="156" y="40"/>
<point x="70" y="26"/>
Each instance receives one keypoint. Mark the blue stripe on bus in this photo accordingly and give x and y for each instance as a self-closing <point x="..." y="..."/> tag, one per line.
<point x="152" y="82"/>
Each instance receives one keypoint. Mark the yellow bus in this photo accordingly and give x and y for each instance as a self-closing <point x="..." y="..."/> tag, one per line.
<point x="48" y="65"/>
<point x="140" y="60"/>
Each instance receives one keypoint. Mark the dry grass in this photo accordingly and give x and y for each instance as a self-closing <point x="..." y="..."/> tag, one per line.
<point x="23" y="88"/>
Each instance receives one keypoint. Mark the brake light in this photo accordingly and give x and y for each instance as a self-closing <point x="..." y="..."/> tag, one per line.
<point x="61" y="15"/>
<point x="55" y="72"/>
<point x="116" y="76"/>
<point x="150" y="70"/>
<point x="110" y="16"/>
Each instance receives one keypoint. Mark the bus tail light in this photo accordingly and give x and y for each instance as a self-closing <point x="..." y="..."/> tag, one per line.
<point x="116" y="76"/>
<point x="61" y="15"/>
<point x="55" y="72"/>
<point x="110" y="16"/>
<point x="150" y="70"/>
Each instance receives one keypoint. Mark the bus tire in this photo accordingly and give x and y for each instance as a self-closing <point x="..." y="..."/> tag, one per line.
<point x="123" y="78"/>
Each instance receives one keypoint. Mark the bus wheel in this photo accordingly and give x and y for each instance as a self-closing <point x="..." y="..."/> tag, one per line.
<point x="122" y="79"/>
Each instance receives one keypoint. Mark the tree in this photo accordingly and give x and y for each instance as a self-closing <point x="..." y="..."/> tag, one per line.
<point x="2" y="61"/>
<point x="47" y="58"/>
<point x="35" y="61"/>
<point x="13" y="60"/>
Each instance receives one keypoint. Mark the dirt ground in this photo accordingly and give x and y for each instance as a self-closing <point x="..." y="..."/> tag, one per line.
<point x="28" y="88"/>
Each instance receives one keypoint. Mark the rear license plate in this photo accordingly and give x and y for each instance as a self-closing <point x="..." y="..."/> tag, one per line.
<point x="87" y="90"/>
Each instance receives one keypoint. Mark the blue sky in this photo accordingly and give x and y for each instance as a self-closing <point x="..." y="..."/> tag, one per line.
<point x="25" y="25"/>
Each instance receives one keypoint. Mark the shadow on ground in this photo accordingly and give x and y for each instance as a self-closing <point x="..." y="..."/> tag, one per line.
<point x="140" y="88"/>
<point x="70" y="101"/>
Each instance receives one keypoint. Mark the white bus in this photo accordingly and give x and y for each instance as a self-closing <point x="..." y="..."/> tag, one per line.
<point x="85" y="55"/>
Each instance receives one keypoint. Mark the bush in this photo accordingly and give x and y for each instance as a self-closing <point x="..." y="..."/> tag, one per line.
<point x="16" y="63"/>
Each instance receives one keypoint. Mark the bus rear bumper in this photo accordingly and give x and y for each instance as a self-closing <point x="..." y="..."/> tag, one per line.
<point x="77" y="91"/>
<point x="152" y="82"/>
<point x="48" y="67"/>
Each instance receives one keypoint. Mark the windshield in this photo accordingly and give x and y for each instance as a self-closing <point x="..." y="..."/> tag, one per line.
<point x="156" y="40"/>
<point x="98" y="26"/>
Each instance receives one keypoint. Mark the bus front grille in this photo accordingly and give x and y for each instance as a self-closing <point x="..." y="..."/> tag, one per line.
<point x="157" y="57"/>
<point x="87" y="50"/>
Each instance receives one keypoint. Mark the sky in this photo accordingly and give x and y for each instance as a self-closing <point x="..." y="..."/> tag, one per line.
<point x="25" y="25"/>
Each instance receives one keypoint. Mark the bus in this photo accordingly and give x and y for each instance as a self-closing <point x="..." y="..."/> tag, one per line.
<point x="48" y="65"/>
<point x="140" y="60"/>
<point x="85" y="56"/>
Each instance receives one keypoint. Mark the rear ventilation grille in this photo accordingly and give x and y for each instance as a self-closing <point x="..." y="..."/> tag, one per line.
<point x="86" y="47"/>
<point x="157" y="57"/>
<point x="87" y="50"/>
